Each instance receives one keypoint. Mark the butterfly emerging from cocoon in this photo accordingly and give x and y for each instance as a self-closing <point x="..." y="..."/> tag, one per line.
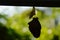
<point x="34" y="25"/>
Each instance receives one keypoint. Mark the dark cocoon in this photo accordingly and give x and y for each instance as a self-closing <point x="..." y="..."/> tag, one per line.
<point x="35" y="27"/>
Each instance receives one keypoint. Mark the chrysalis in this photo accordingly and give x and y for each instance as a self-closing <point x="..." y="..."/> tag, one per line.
<point x="35" y="27"/>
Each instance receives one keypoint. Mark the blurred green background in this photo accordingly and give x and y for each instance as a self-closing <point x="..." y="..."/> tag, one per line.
<point x="17" y="24"/>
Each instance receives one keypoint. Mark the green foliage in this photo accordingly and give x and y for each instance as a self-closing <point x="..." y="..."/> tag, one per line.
<point x="18" y="26"/>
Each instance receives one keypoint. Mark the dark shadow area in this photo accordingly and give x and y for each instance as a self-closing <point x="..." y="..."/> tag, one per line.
<point x="56" y="37"/>
<point x="8" y="34"/>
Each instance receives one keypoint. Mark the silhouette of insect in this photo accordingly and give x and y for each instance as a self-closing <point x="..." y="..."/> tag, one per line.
<point x="35" y="27"/>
